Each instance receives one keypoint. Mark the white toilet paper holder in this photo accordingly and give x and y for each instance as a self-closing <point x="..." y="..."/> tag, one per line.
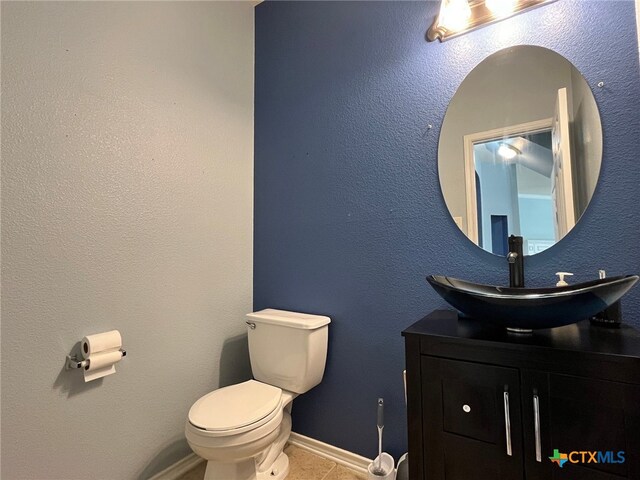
<point x="75" y="362"/>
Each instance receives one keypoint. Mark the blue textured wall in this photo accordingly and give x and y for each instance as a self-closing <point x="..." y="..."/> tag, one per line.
<point x="349" y="217"/>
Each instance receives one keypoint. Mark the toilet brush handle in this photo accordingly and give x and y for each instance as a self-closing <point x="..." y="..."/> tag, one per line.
<point x="380" y="448"/>
<point x="380" y="428"/>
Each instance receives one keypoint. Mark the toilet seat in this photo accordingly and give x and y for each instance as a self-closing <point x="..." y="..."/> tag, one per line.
<point x="236" y="408"/>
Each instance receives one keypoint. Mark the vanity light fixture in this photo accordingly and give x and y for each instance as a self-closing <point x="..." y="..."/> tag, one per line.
<point x="501" y="8"/>
<point x="508" y="152"/>
<point x="461" y="16"/>
<point x="455" y="14"/>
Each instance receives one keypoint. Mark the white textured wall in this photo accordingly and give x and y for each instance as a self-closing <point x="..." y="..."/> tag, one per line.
<point x="127" y="160"/>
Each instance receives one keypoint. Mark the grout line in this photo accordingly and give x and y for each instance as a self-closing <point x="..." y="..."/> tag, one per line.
<point x="335" y="465"/>
<point x="320" y="457"/>
<point x="316" y="457"/>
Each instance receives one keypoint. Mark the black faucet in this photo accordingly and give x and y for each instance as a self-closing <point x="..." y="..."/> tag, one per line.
<point x="516" y="262"/>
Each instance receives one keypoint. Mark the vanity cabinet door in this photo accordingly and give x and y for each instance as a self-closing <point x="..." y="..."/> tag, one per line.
<point x="582" y="415"/>
<point x="471" y="421"/>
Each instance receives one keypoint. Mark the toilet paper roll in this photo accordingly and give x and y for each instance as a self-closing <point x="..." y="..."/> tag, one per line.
<point x="103" y="359"/>
<point x="101" y="342"/>
<point x="101" y="364"/>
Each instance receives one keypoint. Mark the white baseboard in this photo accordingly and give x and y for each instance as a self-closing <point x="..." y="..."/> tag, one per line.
<point x="335" y="454"/>
<point x="342" y="457"/>
<point x="175" y="471"/>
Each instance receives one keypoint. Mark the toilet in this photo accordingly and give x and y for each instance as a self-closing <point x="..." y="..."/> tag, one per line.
<point x="241" y="430"/>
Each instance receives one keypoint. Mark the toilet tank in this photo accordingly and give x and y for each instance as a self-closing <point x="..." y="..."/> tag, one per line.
<point x="288" y="349"/>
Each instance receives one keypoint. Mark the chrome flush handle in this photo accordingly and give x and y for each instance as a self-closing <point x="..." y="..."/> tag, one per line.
<point x="507" y="422"/>
<point x="252" y="325"/>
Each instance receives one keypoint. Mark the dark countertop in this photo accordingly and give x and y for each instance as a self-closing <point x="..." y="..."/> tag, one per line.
<point x="581" y="337"/>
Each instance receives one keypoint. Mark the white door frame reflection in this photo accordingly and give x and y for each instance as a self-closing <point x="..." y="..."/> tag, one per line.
<point x="511" y="151"/>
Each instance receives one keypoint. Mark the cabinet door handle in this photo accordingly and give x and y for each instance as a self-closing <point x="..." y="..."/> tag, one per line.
<point x="507" y="422"/>
<point x="536" y="427"/>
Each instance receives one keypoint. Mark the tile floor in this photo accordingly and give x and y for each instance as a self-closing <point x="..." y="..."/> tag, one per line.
<point x="303" y="465"/>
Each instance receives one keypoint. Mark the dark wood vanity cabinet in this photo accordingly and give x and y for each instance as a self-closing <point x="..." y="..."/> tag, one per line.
<point x="483" y="403"/>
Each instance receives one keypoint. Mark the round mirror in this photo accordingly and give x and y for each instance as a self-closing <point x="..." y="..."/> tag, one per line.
<point x="520" y="150"/>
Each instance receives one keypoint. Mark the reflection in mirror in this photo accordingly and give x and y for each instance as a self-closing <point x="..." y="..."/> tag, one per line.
<point x="520" y="150"/>
<point x="515" y="171"/>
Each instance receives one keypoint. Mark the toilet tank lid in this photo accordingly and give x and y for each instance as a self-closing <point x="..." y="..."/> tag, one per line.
<point x="289" y="319"/>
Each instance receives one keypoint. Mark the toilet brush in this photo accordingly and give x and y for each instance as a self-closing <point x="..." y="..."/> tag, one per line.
<point x="378" y="470"/>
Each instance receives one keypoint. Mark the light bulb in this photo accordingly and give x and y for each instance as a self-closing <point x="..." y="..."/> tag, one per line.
<point x="455" y="14"/>
<point x="501" y="8"/>
<point x="508" y="152"/>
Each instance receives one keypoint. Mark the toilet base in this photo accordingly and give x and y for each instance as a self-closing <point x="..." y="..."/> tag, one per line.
<point x="278" y="471"/>
<point x="246" y="470"/>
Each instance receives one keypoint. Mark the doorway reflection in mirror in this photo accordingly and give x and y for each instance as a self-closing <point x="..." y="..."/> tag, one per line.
<point x="520" y="150"/>
<point x="513" y="187"/>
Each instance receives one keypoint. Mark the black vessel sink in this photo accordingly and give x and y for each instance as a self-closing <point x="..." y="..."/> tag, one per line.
<point x="524" y="309"/>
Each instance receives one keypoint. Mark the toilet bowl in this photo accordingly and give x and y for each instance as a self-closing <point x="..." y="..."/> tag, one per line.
<point x="241" y="430"/>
